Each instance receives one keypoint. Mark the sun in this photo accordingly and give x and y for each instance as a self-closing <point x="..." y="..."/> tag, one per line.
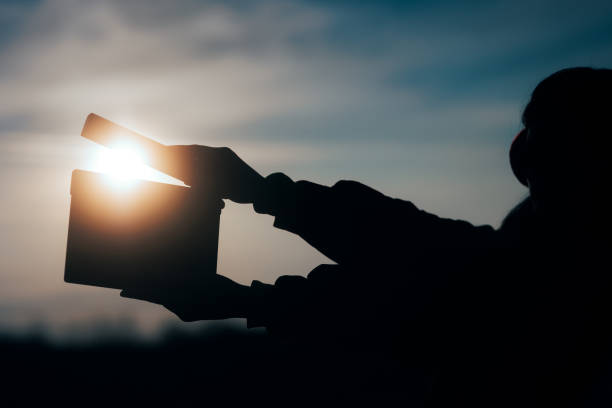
<point x="123" y="164"/>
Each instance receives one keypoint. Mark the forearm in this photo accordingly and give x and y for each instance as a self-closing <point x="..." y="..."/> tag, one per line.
<point x="351" y="223"/>
<point x="342" y="221"/>
<point x="332" y="301"/>
<point x="283" y="306"/>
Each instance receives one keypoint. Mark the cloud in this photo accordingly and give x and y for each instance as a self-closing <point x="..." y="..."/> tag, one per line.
<point x="198" y="72"/>
<point x="203" y="68"/>
<point x="419" y="99"/>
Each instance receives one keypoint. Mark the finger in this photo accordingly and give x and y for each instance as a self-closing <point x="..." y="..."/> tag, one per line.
<point x="199" y="152"/>
<point x="177" y="163"/>
<point x="194" y="164"/>
<point x="139" y="294"/>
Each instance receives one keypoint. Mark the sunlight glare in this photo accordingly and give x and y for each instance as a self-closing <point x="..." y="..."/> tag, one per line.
<point x="124" y="164"/>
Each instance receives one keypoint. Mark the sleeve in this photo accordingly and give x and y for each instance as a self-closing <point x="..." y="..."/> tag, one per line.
<point x="334" y="302"/>
<point x="354" y="224"/>
<point x="330" y="299"/>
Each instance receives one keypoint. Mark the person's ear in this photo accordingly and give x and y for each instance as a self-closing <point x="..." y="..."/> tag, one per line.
<point x="519" y="158"/>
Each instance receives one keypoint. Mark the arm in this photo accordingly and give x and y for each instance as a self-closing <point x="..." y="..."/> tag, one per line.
<point x="352" y="223"/>
<point x="349" y="222"/>
<point x="356" y="226"/>
<point x="331" y="302"/>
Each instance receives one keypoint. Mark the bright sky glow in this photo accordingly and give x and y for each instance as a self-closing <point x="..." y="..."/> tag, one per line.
<point x="122" y="164"/>
<point x="125" y="164"/>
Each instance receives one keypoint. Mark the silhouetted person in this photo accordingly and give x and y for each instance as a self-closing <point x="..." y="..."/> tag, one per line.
<point x="517" y="315"/>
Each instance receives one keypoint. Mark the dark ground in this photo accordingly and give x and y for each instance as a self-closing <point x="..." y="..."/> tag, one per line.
<point x="192" y="368"/>
<point x="214" y="366"/>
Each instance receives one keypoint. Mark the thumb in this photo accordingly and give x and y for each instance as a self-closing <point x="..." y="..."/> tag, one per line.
<point x="141" y="294"/>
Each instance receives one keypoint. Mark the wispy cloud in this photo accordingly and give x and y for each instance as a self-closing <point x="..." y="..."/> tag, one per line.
<point x="419" y="99"/>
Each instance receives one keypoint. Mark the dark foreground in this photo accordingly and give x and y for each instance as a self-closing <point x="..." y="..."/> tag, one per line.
<point x="213" y="365"/>
<point x="216" y="366"/>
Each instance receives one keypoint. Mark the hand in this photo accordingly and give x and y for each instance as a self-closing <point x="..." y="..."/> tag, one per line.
<point x="217" y="169"/>
<point x="211" y="298"/>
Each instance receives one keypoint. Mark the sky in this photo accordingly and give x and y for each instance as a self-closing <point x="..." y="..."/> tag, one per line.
<point x="417" y="99"/>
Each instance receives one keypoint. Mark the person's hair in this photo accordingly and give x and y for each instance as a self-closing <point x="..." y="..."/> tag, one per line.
<point x="569" y="100"/>
<point x="568" y="114"/>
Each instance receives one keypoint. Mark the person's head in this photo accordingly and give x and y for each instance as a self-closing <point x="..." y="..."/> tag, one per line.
<point x="563" y="154"/>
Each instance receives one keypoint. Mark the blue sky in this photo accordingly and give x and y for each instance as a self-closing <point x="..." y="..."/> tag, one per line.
<point x="417" y="99"/>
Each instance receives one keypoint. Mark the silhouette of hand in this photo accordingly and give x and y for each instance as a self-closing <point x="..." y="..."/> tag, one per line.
<point x="217" y="169"/>
<point x="210" y="298"/>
